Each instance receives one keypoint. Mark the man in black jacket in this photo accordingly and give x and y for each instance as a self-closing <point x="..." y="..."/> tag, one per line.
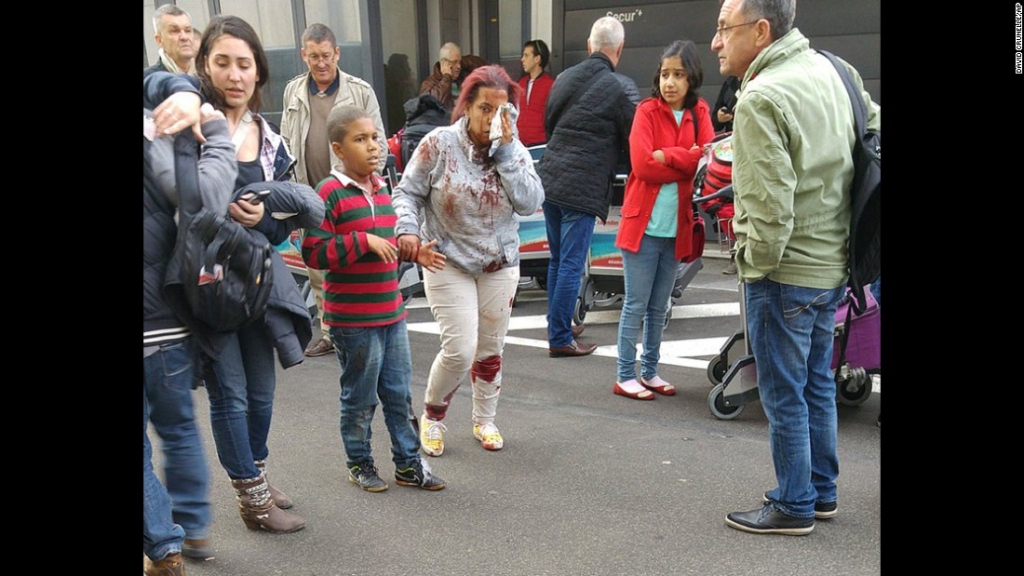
<point x="587" y="122"/>
<point x="168" y="532"/>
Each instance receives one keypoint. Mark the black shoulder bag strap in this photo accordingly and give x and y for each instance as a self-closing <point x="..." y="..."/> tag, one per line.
<point x="860" y="126"/>
<point x="860" y="112"/>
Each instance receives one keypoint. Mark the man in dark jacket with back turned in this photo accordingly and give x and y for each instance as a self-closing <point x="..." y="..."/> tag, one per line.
<point x="168" y="531"/>
<point x="587" y="122"/>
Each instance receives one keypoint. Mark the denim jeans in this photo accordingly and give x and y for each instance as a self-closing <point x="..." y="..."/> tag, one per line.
<point x="170" y="410"/>
<point x="376" y="363"/>
<point x="166" y="375"/>
<point x="790" y="333"/>
<point x="569" y="233"/>
<point x="242" y="400"/>
<point x="650" y="274"/>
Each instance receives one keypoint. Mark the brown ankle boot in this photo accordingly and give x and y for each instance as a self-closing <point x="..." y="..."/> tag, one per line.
<point x="170" y="565"/>
<point x="280" y="498"/>
<point x="257" y="508"/>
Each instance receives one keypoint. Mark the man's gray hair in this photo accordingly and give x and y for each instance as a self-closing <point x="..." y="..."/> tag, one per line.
<point x="318" y="33"/>
<point x="445" y="53"/>
<point x="779" y="14"/>
<point x="170" y="10"/>
<point x="606" y="33"/>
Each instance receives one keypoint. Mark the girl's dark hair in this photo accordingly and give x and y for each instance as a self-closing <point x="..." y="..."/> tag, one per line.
<point x="540" y="49"/>
<point x="686" y="51"/>
<point x="492" y="76"/>
<point x="238" y="28"/>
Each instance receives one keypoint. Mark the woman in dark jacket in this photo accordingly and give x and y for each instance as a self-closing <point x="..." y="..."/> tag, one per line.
<point x="232" y="68"/>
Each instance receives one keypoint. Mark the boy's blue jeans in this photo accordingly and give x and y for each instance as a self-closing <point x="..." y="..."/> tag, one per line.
<point x="376" y="363"/>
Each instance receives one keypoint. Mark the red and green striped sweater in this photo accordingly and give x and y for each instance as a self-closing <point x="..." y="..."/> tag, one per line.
<point x="360" y="289"/>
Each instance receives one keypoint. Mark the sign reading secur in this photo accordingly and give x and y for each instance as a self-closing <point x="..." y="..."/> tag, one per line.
<point x="626" y="16"/>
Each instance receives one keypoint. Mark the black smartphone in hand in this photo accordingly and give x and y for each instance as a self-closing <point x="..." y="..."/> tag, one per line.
<point x="257" y="197"/>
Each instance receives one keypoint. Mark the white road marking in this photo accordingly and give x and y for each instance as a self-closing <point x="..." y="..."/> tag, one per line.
<point x="673" y="352"/>
<point x="680" y="353"/>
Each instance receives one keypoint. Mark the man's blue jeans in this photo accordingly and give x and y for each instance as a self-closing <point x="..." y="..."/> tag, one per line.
<point x="242" y="400"/>
<point x="170" y="410"/>
<point x="569" y="233"/>
<point x="790" y="333"/>
<point x="650" y="274"/>
<point x="166" y="375"/>
<point x="376" y="363"/>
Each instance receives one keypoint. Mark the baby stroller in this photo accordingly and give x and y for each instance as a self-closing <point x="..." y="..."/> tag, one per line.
<point x="604" y="281"/>
<point x="714" y="172"/>
<point x="856" y="355"/>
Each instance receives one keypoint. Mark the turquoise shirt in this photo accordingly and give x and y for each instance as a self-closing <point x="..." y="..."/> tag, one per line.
<point x="664" y="215"/>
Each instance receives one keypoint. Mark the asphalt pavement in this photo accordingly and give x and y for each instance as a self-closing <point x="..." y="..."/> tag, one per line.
<point x="588" y="482"/>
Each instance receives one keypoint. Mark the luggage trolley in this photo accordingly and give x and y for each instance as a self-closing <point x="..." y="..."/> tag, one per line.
<point x="856" y="356"/>
<point x="604" y="281"/>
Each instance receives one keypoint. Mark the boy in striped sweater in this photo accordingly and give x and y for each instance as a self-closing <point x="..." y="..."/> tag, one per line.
<point x="356" y="247"/>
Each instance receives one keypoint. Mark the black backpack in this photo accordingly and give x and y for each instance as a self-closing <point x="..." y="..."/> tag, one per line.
<point x="865" y="245"/>
<point x="221" y="270"/>
<point x="424" y="113"/>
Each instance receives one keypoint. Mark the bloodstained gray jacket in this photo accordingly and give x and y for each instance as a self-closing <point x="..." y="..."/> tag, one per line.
<point x="468" y="200"/>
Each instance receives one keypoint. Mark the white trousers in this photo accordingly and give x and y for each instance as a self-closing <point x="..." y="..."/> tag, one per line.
<point x="473" y="314"/>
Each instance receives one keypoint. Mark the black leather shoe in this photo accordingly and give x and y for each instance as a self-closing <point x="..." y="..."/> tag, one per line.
<point x="573" y="349"/>
<point x="822" y="510"/>
<point x="578" y="329"/>
<point x="769" y="520"/>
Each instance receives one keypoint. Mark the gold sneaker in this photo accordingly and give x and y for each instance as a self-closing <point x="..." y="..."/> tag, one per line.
<point x="432" y="436"/>
<point x="488" y="436"/>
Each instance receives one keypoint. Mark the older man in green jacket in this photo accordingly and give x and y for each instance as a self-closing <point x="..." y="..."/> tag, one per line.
<point x="793" y="141"/>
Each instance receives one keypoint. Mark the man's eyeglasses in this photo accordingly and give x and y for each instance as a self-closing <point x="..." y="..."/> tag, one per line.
<point x="317" y="58"/>
<point x="720" y="31"/>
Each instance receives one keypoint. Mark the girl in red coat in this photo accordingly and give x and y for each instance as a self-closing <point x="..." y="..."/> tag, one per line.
<point x="669" y="131"/>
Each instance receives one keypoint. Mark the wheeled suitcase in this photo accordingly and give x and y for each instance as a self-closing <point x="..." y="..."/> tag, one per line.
<point x="856" y="349"/>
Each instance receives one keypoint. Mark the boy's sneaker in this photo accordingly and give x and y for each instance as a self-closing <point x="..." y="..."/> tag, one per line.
<point x="419" y="476"/>
<point x="365" y="476"/>
<point x="822" y="510"/>
<point x="432" y="436"/>
<point x="488" y="436"/>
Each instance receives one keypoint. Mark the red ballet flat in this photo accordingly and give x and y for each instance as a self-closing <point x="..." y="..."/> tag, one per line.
<point x="658" y="385"/>
<point x="641" y="395"/>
